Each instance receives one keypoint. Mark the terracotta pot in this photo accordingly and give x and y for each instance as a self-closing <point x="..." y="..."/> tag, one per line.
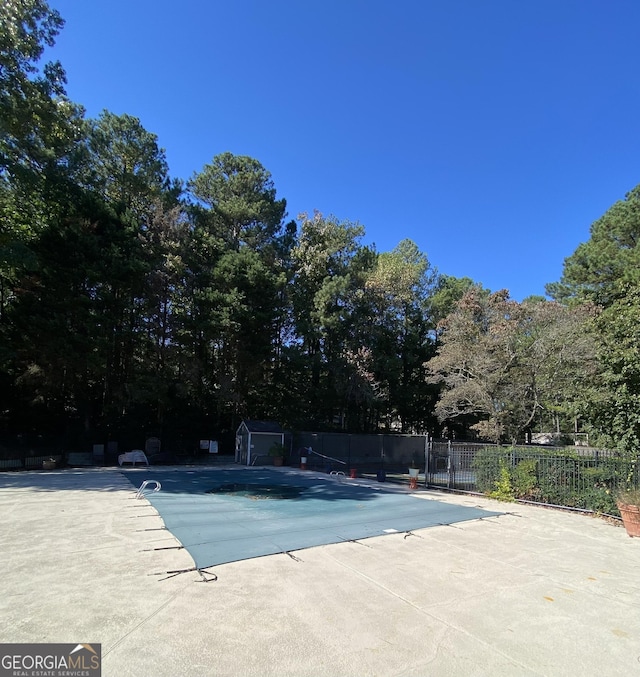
<point x="278" y="460"/>
<point x="630" y="518"/>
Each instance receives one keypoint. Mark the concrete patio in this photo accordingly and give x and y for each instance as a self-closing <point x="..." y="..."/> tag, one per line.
<point x="532" y="592"/>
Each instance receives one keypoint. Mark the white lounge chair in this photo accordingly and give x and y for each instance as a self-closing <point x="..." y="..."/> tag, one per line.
<point x="135" y="456"/>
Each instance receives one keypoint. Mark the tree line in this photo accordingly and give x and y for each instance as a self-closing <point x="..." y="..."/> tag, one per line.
<point x="134" y="303"/>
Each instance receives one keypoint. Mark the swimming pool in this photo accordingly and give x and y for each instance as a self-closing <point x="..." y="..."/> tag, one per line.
<point x="225" y="515"/>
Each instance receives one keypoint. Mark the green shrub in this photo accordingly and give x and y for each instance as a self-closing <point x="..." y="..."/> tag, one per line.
<point x="503" y="490"/>
<point x="556" y="476"/>
<point x="276" y="449"/>
<point x="486" y="465"/>
<point x="525" y="479"/>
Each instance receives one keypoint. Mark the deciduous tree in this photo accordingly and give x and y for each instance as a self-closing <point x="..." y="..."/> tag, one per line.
<point x="504" y="364"/>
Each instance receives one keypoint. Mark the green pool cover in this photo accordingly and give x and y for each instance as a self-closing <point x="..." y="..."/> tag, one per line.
<point x="226" y="515"/>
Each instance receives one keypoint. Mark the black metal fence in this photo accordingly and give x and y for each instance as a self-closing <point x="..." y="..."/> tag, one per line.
<point x="577" y="477"/>
<point x="28" y="451"/>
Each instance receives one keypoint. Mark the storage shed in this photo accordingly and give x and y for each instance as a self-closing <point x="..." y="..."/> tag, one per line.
<point x="255" y="438"/>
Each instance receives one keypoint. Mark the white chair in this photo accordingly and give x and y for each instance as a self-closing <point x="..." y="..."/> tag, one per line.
<point x="133" y="457"/>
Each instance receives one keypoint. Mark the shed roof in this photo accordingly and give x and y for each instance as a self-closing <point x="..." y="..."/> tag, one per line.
<point x="262" y="426"/>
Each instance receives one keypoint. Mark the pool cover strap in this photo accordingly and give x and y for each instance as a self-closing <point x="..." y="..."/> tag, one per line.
<point x="268" y="511"/>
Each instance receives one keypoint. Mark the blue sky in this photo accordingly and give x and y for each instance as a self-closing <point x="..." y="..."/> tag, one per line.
<point x="490" y="132"/>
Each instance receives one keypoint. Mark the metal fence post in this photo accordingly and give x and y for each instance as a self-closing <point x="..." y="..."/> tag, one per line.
<point x="426" y="458"/>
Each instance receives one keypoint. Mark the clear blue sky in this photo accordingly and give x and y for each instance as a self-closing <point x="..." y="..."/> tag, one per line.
<point x="490" y="132"/>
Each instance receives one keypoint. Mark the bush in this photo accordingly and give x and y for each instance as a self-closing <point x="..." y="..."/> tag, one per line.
<point x="487" y="466"/>
<point x="525" y="479"/>
<point x="557" y="477"/>
<point x="277" y="449"/>
<point x="503" y="490"/>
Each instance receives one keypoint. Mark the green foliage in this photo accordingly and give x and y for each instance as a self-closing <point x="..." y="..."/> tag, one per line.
<point x="121" y="162"/>
<point x="604" y="270"/>
<point x="503" y="491"/>
<point x="233" y="313"/>
<point x="329" y="313"/>
<point x="397" y="293"/>
<point x="446" y="294"/>
<point x="123" y="308"/>
<point x="558" y="477"/>
<point x="241" y="200"/>
<point x="610" y="256"/>
<point x="504" y="364"/>
<point x="277" y="449"/>
<point x="525" y="478"/>
<point x="29" y="94"/>
<point x="614" y="406"/>
<point x="486" y="465"/>
<point x="38" y="129"/>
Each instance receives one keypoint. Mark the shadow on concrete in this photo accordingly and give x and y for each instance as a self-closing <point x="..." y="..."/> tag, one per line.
<point x="253" y="483"/>
<point x="67" y="479"/>
<point x="191" y="480"/>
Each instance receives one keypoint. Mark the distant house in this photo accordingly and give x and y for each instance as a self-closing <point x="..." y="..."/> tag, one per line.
<point x="255" y="438"/>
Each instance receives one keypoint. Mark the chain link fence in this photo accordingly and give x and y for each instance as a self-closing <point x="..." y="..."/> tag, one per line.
<point x="363" y="453"/>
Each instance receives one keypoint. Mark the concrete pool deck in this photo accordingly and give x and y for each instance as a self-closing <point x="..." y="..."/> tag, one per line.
<point x="532" y="592"/>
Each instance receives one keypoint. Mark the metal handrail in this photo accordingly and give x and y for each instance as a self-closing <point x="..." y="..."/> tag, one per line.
<point x="143" y="486"/>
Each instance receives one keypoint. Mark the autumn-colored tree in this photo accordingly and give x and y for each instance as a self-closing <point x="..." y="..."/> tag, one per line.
<point x="504" y="364"/>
